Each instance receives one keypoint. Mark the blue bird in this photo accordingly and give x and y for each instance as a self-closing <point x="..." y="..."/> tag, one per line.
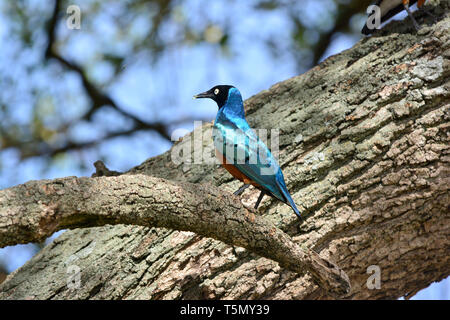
<point x="240" y="150"/>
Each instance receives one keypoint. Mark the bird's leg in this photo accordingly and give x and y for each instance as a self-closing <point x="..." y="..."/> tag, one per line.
<point x="241" y="189"/>
<point x="261" y="195"/>
<point x="406" y="5"/>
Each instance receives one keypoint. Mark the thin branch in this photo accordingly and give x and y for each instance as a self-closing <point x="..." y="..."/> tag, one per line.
<point x="36" y="209"/>
<point x="341" y="24"/>
<point x="97" y="97"/>
<point x="36" y="147"/>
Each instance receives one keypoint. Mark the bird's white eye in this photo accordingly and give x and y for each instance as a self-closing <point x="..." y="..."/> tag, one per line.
<point x="216" y="92"/>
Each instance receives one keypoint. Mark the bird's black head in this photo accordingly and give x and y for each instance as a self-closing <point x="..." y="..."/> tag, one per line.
<point x="218" y="93"/>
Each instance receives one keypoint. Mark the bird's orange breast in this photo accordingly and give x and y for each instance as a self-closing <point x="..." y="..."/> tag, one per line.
<point x="234" y="171"/>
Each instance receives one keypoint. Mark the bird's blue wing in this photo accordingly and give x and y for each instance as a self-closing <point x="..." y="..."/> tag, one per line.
<point x="250" y="155"/>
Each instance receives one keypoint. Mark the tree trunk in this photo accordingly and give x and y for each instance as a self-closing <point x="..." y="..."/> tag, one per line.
<point x="364" y="149"/>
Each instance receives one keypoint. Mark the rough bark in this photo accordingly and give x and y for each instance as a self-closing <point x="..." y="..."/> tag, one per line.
<point x="364" y="145"/>
<point x="35" y="210"/>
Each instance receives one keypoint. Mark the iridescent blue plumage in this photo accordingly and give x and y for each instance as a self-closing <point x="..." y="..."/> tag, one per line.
<point x="243" y="150"/>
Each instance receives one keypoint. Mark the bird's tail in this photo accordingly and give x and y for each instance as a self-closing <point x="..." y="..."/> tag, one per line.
<point x="289" y="200"/>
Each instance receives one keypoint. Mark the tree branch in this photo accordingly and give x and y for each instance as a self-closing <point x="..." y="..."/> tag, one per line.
<point x="364" y="147"/>
<point x="36" y="147"/>
<point x="37" y="209"/>
<point x="97" y="97"/>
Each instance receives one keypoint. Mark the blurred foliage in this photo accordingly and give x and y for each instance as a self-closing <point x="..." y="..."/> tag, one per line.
<point x="56" y="82"/>
<point x="59" y="104"/>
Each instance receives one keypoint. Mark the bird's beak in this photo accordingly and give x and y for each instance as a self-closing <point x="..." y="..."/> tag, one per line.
<point x="206" y="94"/>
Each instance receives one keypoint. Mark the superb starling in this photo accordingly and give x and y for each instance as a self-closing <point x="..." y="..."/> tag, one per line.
<point x="240" y="150"/>
<point x="389" y="8"/>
